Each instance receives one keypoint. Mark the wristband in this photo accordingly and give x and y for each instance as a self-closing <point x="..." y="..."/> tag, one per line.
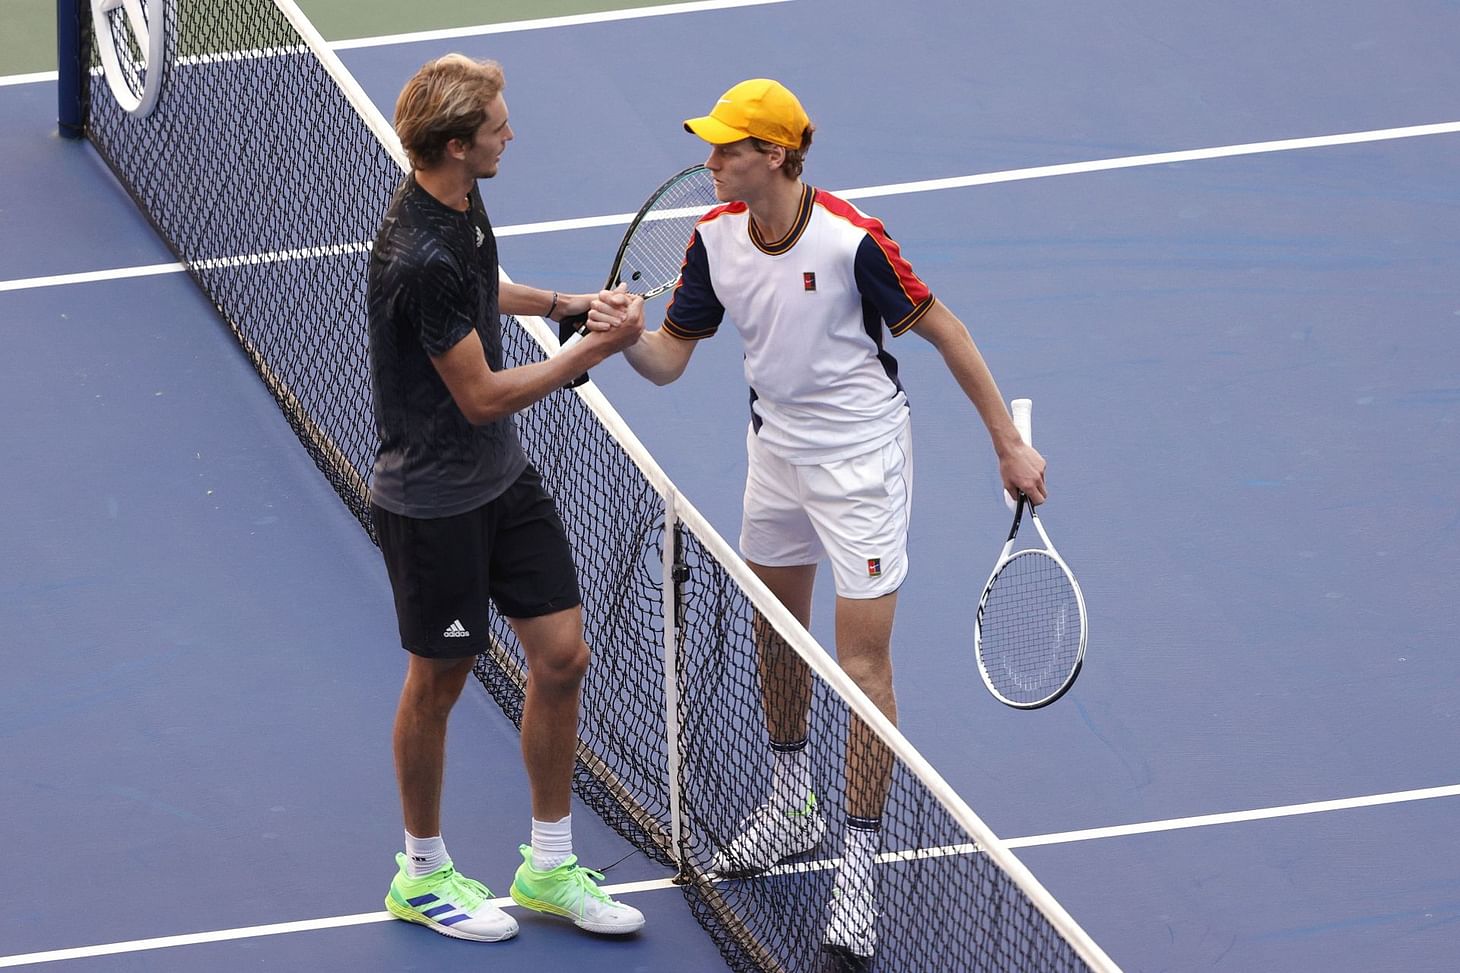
<point x="552" y="307"/>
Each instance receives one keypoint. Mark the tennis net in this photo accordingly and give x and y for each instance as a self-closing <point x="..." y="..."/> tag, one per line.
<point x="266" y="170"/>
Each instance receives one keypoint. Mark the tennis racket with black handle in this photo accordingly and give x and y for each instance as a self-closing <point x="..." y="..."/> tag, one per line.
<point x="651" y="255"/>
<point x="1030" y="629"/>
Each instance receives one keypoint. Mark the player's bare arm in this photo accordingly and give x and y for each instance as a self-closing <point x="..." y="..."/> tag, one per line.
<point x="484" y="396"/>
<point x="1020" y="466"/>
<point x="521" y="299"/>
<point x="659" y="356"/>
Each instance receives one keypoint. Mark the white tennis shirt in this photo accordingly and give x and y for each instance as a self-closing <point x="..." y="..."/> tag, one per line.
<point x="812" y="310"/>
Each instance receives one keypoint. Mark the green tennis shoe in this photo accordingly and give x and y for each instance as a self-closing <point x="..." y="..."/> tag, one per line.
<point x="450" y="903"/>
<point x="571" y="891"/>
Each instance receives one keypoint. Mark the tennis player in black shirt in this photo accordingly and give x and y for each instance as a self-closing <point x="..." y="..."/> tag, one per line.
<point x="461" y="515"/>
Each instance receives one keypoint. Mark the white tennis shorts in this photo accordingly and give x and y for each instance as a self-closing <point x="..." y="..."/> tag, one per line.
<point x="854" y="512"/>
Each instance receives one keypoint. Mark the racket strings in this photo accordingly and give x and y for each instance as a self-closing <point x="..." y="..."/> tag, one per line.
<point x="1030" y="628"/>
<point x="654" y="254"/>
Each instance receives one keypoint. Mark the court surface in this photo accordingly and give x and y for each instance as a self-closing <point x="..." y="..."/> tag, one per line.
<point x="1245" y="365"/>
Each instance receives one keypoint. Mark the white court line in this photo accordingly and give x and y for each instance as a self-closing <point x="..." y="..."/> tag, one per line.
<point x="1046" y="172"/>
<point x="248" y="260"/>
<point x="191" y="939"/>
<point x="35" y="78"/>
<point x="1159" y="158"/>
<point x="866" y="192"/>
<point x="86" y="277"/>
<point x="574" y="20"/>
<point x="1147" y="827"/>
<point x="272" y="929"/>
<point x="450" y="33"/>
<point x="1237" y="817"/>
<point x="1032" y="841"/>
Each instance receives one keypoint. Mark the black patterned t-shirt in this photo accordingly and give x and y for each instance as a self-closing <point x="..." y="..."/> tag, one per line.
<point x="432" y="281"/>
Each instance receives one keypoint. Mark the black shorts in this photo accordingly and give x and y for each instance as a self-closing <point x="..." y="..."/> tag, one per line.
<point x="443" y="571"/>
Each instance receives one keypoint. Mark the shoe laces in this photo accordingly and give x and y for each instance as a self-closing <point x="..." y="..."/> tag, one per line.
<point x="465" y="892"/>
<point x="585" y="881"/>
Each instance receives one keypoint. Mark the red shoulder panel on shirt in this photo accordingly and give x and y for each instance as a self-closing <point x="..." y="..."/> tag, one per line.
<point x="912" y="285"/>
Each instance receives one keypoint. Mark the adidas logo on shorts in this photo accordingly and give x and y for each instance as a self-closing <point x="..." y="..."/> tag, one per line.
<point x="455" y="630"/>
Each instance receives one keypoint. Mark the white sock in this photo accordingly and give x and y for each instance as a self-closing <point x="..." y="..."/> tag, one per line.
<point x="424" y="855"/>
<point x="790" y="775"/>
<point x="552" y="843"/>
<point x="860" y="845"/>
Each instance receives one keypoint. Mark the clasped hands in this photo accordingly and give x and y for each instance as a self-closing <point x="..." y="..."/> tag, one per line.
<point x="618" y="314"/>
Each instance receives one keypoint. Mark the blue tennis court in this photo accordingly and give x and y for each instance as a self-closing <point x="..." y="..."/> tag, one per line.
<point x="1216" y="245"/>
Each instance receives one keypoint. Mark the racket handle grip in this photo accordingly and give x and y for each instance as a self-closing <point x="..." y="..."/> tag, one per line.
<point x="1022" y="412"/>
<point x="571" y="331"/>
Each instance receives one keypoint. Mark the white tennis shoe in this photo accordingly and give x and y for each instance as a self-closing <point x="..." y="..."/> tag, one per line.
<point x="851" y="923"/>
<point x="768" y="836"/>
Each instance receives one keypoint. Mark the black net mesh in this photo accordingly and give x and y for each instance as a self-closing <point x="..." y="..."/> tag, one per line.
<point x="615" y="521"/>
<point x="941" y="904"/>
<point x="266" y="183"/>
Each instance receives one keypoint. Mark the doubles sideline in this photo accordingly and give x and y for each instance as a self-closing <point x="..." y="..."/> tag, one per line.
<point x="866" y="192"/>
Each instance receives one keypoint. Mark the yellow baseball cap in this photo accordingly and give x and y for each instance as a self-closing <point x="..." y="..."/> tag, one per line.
<point x="759" y="108"/>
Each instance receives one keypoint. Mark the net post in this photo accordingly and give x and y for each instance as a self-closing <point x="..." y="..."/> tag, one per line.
<point x="673" y="571"/>
<point x="70" y="116"/>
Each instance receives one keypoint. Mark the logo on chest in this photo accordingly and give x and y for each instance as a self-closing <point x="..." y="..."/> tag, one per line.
<point x="481" y="237"/>
<point x="808" y="281"/>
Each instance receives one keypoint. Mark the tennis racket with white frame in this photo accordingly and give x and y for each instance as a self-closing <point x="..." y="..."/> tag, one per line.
<point x="651" y="254"/>
<point x="1030" y="629"/>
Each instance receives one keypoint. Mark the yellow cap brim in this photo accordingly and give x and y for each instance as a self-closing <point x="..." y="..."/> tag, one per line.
<point x="714" y="131"/>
